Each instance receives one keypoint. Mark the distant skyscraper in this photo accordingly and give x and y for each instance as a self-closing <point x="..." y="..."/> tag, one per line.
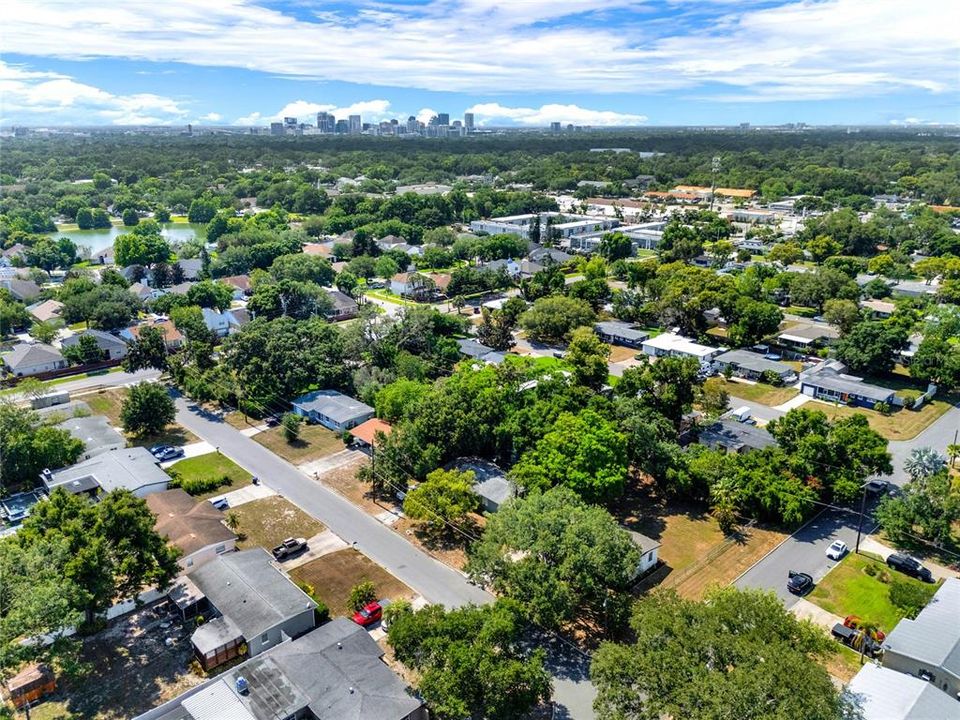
<point x="554" y="127"/>
<point x="356" y="124"/>
<point x="276" y="128"/>
<point x="443" y="118"/>
<point x="326" y="123"/>
<point x="413" y="125"/>
<point x="468" y="121"/>
<point x="342" y="127"/>
<point x="290" y="121"/>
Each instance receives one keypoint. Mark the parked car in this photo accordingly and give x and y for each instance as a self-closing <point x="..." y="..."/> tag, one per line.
<point x="849" y="637"/>
<point x="166" y="452"/>
<point x="799" y="583"/>
<point x="854" y="622"/>
<point x="271" y="421"/>
<point x="368" y="614"/>
<point x="837" y="549"/>
<point x="877" y="486"/>
<point x="289" y="548"/>
<point x="909" y="566"/>
<point x="220" y="503"/>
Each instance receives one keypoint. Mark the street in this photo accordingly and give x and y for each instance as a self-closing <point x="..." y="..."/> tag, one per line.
<point x="573" y="692"/>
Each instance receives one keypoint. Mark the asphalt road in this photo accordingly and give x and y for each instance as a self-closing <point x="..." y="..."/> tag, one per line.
<point x="113" y="379"/>
<point x="573" y="693"/>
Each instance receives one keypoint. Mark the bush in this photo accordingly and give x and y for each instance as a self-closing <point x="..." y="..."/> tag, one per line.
<point x="290" y="426"/>
<point x="395" y="609"/>
<point x="771" y="378"/>
<point x="882" y="408"/>
<point x="360" y="595"/>
<point x="871" y="570"/>
<point x="198" y="486"/>
<point x="322" y="612"/>
<point x="909" y="597"/>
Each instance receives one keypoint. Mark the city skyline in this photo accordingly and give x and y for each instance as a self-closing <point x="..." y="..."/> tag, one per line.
<point x="525" y="64"/>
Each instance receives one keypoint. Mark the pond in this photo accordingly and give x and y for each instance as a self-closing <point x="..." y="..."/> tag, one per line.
<point x="97" y="240"/>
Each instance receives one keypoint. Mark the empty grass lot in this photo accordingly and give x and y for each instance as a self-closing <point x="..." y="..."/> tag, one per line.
<point x="314" y="442"/>
<point x="332" y="576"/>
<point x="268" y="521"/>
<point x="211" y="465"/>
<point x="848" y="590"/>
<point x="899" y="425"/>
<point x="109" y="403"/>
<point x="758" y="393"/>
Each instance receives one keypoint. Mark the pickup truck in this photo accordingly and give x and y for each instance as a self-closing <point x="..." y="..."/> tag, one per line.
<point x="289" y="548"/>
<point x="850" y="637"/>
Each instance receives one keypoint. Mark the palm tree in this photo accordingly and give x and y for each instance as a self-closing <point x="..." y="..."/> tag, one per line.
<point x="923" y="462"/>
<point x="953" y="449"/>
<point x="233" y="520"/>
<point x="866" y="629"/>
<point x="723" y="497"/>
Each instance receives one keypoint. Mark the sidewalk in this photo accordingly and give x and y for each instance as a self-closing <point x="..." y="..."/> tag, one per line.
<point x="806" y="610"/>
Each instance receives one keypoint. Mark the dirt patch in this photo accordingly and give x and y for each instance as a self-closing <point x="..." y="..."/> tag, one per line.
<point x="332" y="576"/>
<point x="619" y="353"/>
<point x="266" y="522"/>
<point x="131" y="669"/>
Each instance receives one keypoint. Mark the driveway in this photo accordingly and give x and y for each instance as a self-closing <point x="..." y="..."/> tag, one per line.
<point x="763" y="413"/>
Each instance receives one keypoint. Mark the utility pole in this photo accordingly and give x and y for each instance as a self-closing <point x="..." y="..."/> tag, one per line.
<point x="714" y="169"/>
<point x="863" y="504"/>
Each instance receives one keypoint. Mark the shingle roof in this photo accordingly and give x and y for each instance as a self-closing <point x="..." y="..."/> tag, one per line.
<point x="623" y="330"/>
<point x="46" y="310"/>
<point x="335" y="405"/>
<point x="186" y="523"/>
<point x="30" y="354"/>
<point x="129" y="468"/>
<point x="753" y="361"/>
<point x="884" y="694"/>
<point x="248" y="589"/>
<point x="933" y="637"/>
<point x="847" y="386"/>
<point x="22" y="289"/>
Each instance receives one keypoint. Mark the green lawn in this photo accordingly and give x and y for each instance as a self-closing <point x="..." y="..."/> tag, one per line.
<point x="387" y="296"/>
<point x="758" y="393"/>
<point x="849" y="590"/>
<point x="898" y="425"/>
<point x="212" y="465"/>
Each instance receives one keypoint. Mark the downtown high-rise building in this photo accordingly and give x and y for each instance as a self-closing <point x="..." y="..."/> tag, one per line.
<point x="443" y="118"/>
<point x="326" y="123"/>
<point x="356" y="125"/>
<point x="468" y="121"/>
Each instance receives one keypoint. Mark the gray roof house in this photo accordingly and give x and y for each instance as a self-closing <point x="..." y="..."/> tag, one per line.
<point x="804" y="336"/>
<point x="649" y="552"/>
<point x="753" y="365"/>
<point x="113" y="347"/>
<point x="22" y="290"/>
<point x="478" y="351"/>
<point x="620" y="333"/>
<point x="829" y="381"/>
<point x="334" y="672"/>
<point x="332" y="409"/>
<point x="490" y="482"/>
<point x="928" y="647"/>
<point x="258" y="606"/>
<point x="133" y="469"/>
<point x="96" y="433"/>
<point x="192" y="267"/>
<point x="32" y="359"/>
<point x="883" y="694"/>
<point x="344" y="306"/>
<point x="735" y="437"/>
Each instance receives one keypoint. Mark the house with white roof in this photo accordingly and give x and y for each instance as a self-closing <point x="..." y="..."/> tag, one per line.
<point x="673" y="345"/>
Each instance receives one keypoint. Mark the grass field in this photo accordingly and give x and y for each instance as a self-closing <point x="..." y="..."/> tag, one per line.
<point x="315" y="442"/>
<point x="849" y="590"/>
<point x="212" y="465"/>
<point x="268" y="521"/>
<point x="899" y="425"/>
<point x="758" y="393"/>
<point x="332" y="576"/>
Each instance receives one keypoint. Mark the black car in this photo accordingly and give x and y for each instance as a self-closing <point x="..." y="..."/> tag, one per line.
<point x="799" y="583"/>
<point x="849" y="636"/>
<point x="909" y="566"/>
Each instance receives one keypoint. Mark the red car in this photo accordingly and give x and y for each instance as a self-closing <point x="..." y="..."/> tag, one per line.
<point x="370" y="614"/>
<point x="853" y="622"/>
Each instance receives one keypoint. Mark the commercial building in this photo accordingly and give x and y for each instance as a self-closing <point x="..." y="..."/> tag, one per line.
<point x="468" y="121"/>
<point x="555" y="225"/>
<point x="326" y="123"/>
<point x="644" y="236"/>
<point x="356" y="124"/>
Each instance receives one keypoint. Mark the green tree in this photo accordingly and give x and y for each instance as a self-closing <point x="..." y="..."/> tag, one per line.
<point x="210" y="294"/>
<point x="785" y="253"/>
<point x="668" y="386"/>
<point x="148" y="350"/>
<point x="588" y="355"/>
<point x="556" y="555"/>
<point x="822" y="247"/>
<point x="937" y="360"/>
<point x="202" y="211"/>
<point x="753" y="320"/>
<point x="705" y="660"/>
<point x="362" y="594"/>
<point x="400" y="399"/>
<point x="614" y="246"/>
<point x="44" y="332"/>
<point x="26" y="447"/>
<point x="85" y="218"/>
<point x="147" y="409"/>
<point x="291" y="427"/>
<point x="85" y="351"/>
<point x="470" y="660"/>
<point x="445" y="498"/>
<point x="291" y="298"/>
<point x="130" y="217"/>
<point x="114" y="551"/>
<point x="552" y="319"/>
<point x="845" y="314"/>
<point x="872" y="347"/>
<point x="304" y="268"/>
<point x="926" y="508"/>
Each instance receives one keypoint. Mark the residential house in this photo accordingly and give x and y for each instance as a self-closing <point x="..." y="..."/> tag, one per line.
<point x="323" y="249"/>
<point x="238" y="317"/>
<point x="181" y="288"/>
<point x="510" y="266"/>
<point x="113" y="347"/>
<point x="365" y="434"/>
<point x="332" y="409"/>
<point x="649" y="553"/>
<point x="144" y="292"/>
<point x="33" y="359"/>
<point x="806" y="337"/>
<point x="548" y="255"/>
<point x="240" y="284"/>
<point x="878" y="309"/>
<point x="195" y="527"/>
<point x="96" y="433"/>
<point x="752" y="366"/>
<point x="673" y="345"/>
<point x="829" y="381"/>
<point x="334" y="672"/>
<point x="23" y="290"/>
<point x="620" y="333"/>
<point x="133" y="469"/>
<point x="344" y="306"/>
<point x="219" y="323"/>
<point x="103" y="257"/>
<point x="735" y="437"/>
<point x="928" y="647"/>
<point x="406" y="284"/>
<point x="255" y="604"/>
<point x="490" y="482"/>
<point x="192" y="268"/>
<point x="15" y="253"/>
<point x="46" y="310"/>
<point x="478" y="351"/>
<point x="171" y="336"/>
<point x="880" y="693"/>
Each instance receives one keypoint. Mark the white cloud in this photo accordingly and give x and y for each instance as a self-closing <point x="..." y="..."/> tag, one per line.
<point x="210" y="117"/>
<point x="59" y="99"/>
<point x="306" y="112"/>
<point x="496" y="114"/>
<point x="426" y="114"/>
<point x="799" y="50"/>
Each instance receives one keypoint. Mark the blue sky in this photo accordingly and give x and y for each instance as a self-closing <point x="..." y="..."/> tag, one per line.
<point x="518" y="62"/>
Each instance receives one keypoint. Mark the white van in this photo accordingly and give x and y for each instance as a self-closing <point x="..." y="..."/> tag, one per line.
<point x="741" y="414"/>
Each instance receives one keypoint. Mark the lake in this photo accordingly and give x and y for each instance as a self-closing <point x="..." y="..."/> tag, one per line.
<point x="97" y="240"/>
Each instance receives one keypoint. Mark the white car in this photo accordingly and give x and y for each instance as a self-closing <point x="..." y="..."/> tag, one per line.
<point x="837" y="550"/>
